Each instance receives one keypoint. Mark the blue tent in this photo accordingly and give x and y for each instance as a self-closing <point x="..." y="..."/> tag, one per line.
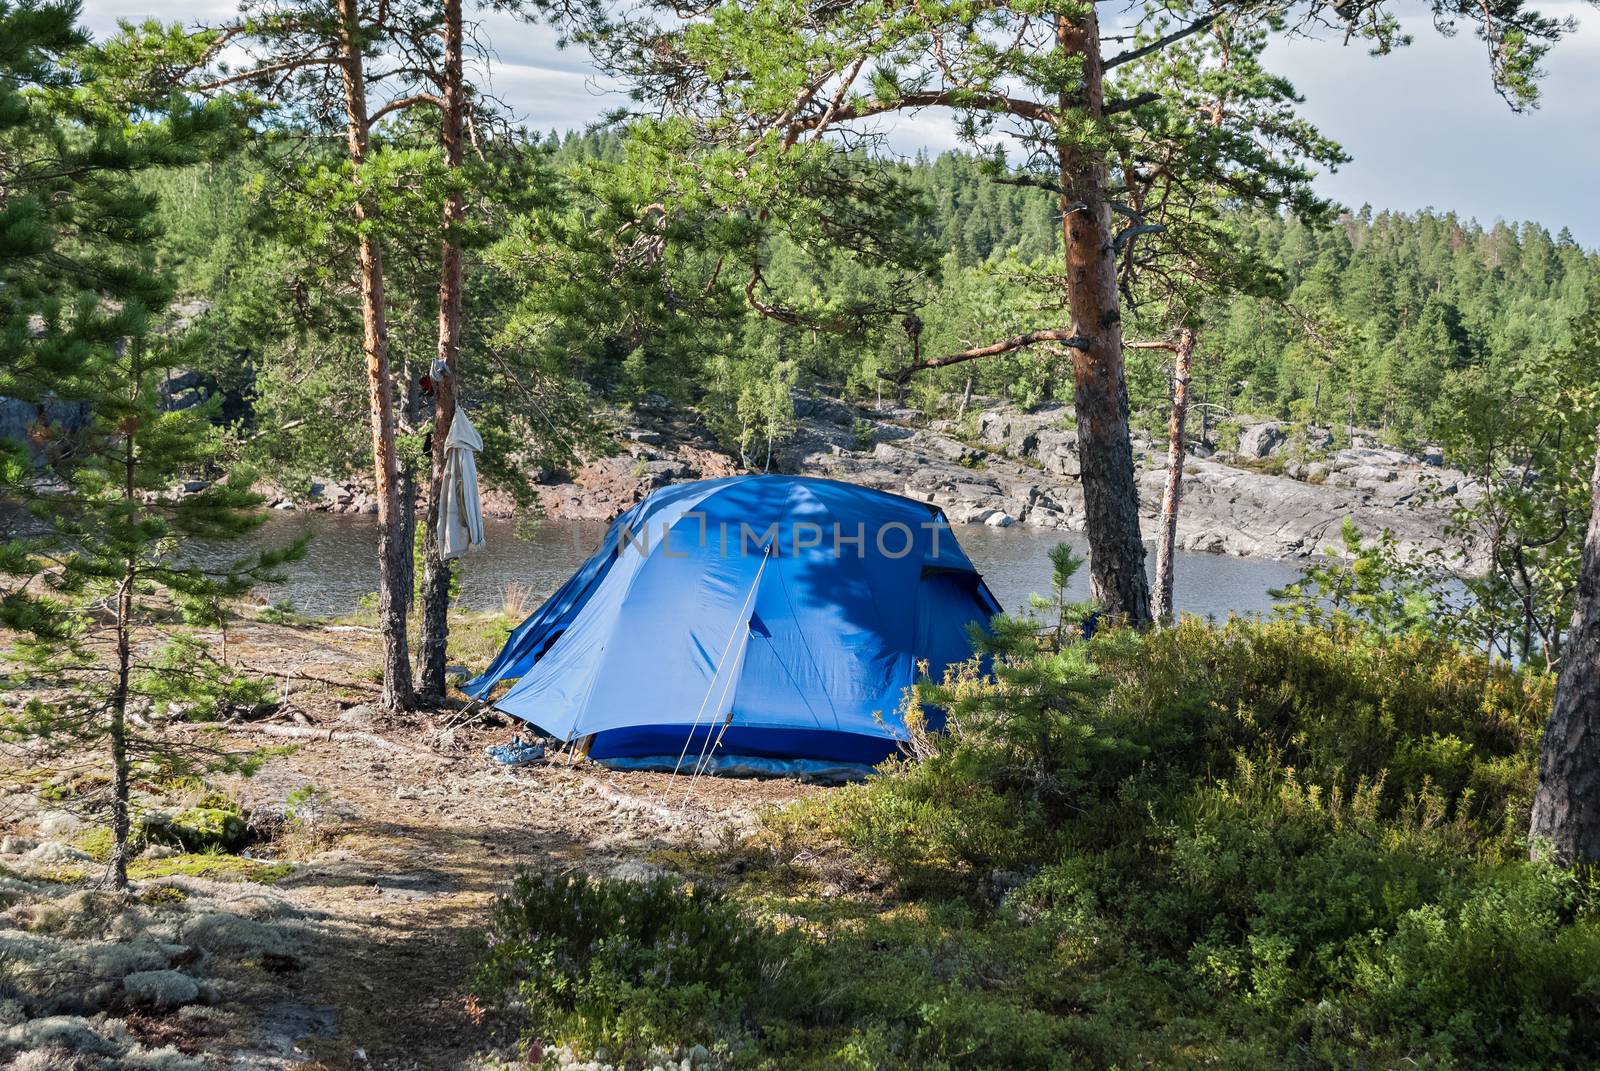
<point x="772" y="616"/>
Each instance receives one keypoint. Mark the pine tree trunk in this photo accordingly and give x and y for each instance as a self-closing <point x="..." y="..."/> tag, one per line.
<point x="1167" y="537"/>
<point x="1566" y="806"/>
<point x="966" y="398"/>
<point x="1117" y="579"/>
<point x="117" y="731"/>
<point x="393" y="567"/>
<point x="436" y="575"/>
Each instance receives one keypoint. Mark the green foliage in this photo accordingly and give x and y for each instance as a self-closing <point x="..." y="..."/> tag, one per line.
<point x="95" y="534"/>
<point x="1369" y="590"/>
<point x="1527" y="437"/>
<point x="1416" y="321"/>
<point x="621" y="965"/>
<point x="309" y="812"/>
<point x="747" y="403"/>
<point x="185" y="681"/>
<point x="208" y="829"/>
<point x="281" y="612"/>
<point x="1255" y="845"/>
<point x="212" y="866"/>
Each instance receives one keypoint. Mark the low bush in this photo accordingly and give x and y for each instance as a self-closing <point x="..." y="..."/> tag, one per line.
<point x="621" y="965"/>
<point x="1252" y="845"/>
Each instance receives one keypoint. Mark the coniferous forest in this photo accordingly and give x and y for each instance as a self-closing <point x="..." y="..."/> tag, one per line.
<point x="295" y="245"/>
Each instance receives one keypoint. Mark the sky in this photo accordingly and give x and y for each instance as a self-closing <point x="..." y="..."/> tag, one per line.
<point x="1423" y="125"/>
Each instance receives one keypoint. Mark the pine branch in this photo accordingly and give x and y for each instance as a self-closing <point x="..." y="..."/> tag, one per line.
<point x="1159" y="43"/>
<point x="298" y="63"/>
<point x="1127" y="104"/>
<point x="1065" y="336"/>
<point x="404" y="102"/>
<point x="946" y="98"/>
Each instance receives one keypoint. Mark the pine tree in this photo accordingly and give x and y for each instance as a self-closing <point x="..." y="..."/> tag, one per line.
<point x="94" y="550"/>
<point x="340" y="67"/>
<point x="1566" y="807"/>
<point x="766" y="91"/>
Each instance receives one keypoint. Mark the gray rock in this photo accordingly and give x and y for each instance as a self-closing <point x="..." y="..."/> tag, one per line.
<point x="1367" y="455"/>
<point x="1057" y="452"/>
<point x="889" y="455"/>
<point x="994" y="427"/>
<point x="160" y="990"/>
<point x="999" y="519"/>
<point x="825" y="409"/>
<point x="1369" y="474"/>
<point x="636" y="870"/>
<point x="183" y="400"/>
<point x="947" y="448"/>
<point x="1315" y="438"/>
<point x="1260" y="440"/>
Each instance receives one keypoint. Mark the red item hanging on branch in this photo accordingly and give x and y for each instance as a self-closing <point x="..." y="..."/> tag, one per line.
<point x="427" y="384"/>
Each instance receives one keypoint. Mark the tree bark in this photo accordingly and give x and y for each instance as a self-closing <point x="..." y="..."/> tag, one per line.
<point x="1117" y="579"/>
<point x="1566" y="805"/>
<point x="1167" y="537"/>
<point x="436" y="570"/>
<point x="393" y="569"/>
<point x="117" y="730"/>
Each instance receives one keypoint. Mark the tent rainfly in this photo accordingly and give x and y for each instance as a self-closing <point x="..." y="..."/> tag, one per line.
<point x="770" y="616"/>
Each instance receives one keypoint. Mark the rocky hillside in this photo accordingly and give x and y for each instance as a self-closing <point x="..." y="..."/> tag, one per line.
<point x="1278" y="495"/>
<point x="1282" y="492"/>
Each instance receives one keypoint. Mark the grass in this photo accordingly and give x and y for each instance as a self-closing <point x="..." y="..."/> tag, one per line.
<point x="476" y="636"/>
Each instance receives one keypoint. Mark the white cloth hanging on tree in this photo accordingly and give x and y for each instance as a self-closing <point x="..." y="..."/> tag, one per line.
<point x="460" y="515"/>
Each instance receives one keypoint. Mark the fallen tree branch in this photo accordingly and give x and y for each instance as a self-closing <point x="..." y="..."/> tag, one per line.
<point x="312" y="677"/>
<point x="306" y="732"/>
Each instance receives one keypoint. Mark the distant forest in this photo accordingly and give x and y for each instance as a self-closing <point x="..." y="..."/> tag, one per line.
<point x="1378" y="319"/>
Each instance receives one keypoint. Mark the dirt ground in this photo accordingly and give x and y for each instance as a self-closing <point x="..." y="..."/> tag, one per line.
<point x="423" y="846"/>
<point x="423" y="832"/>
<point x="428" y="836"/>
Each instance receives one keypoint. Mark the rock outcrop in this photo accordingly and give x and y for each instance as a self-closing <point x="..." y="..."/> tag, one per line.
<point x="1022" y="467"/>
<point x="1284" y="493"/>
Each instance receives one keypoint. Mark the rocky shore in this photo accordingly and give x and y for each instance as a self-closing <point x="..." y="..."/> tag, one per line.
<point x="1281" y="492"/>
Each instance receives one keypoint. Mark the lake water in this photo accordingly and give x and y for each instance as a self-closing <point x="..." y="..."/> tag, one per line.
<point x="341" y="565"/>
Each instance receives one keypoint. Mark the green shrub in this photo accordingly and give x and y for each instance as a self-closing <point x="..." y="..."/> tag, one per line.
<point x="621" y="965"/>
<point x="1253" y="845"/>
<point x="1269" y="813"/>
<point x="1501" y="973"/>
